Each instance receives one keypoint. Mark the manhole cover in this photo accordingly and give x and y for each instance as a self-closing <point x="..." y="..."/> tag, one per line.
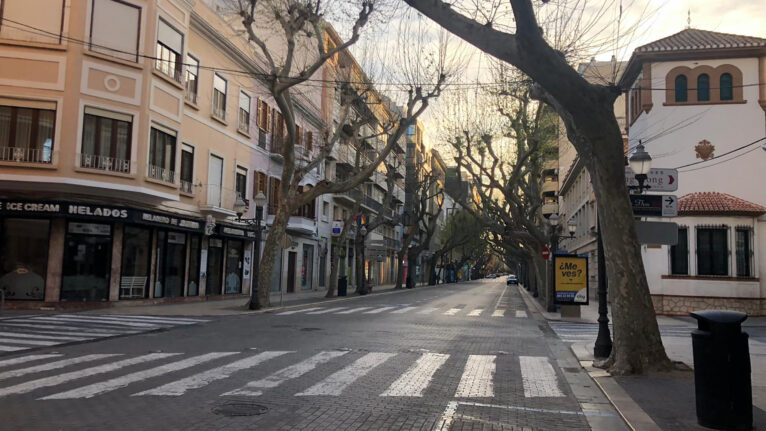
<point x="239" y="408"/>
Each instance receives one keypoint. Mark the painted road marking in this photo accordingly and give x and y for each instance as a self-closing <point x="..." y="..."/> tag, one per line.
<point x="12" y="348"/>
<point x="521" y="313"/>
<point x="179" y="387"/>
<point x="451" y="311"/>
<point x="427" y="310"/>
<point x="498" y="313"/>
<point x="285" y="313"/>
<point x="90" y="391"/>
<point x="150" y="318"/>
<point x="57" y="332"/>
<point x="54" y="365"/>
<point x="415" y="381"/>
<point x="25" y="359"/>
<point x="41" y="337"/>
<point x="477" y="377"/>
<point x="353" y="310"/>
<point x="403" y="310"/>
<point x="337" y="382"/>
<point x="98" y="321"/>
<point x="29" y="342"/>
<point x="378" y="310"/>
<point x="68" y="329"/>
<point x="126" y="320"/>
<point x="476" y="312"/>
<point x="281" y="376"/>
<point x="327" y="310"/>
<point x="74" y="375"/>
<point x="539" y="377"/>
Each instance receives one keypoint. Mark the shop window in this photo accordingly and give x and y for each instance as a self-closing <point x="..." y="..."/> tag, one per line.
<point x="170" y="266"/>
<point x="187" y="168"/>
<point x="162" y="155"/>
<point x="32" y="20"/>
<point x="87" y="262"/>
<point x="744" y="252"/>
<point x="240" y="186"/>
<point x="214" y="266"/>
<point x="712" y="251"/>
<point x="219" y="96"/>
<point x="680" y="88"/>
<point x="192" y="284"/>
<point x="26" y="132"/>
<point x="192" y="79"/>
<point x="243" y="123"/>
<point x="234" y="252"/>
<point x="679" y="254"/>
<point x="727" y="86"/>
<point x="169" y="51"/>
<point x="106" y="139"/>
<point x="136" y="255"/>
<point x="703" y="88"/>
<point x="115" y="28"/>
<point x="23" y="257"/>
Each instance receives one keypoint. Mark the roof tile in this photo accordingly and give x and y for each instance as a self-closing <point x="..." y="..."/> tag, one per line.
<point x="715" y="203"/>
<point x="692" y="38"/>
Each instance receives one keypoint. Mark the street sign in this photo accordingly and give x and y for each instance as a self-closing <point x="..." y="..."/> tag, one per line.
<point x="657" y="233"/>
<point x="570" y="279"/>
<point x="654" y="205"/>
<point x="546" y="252"/>
<point x="337" y="228"/>
<point x="658" y="179"/>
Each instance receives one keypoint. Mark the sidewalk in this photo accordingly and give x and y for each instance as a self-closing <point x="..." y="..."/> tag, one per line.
<point x="238" y="305"/>
<point x="662" y="401"/>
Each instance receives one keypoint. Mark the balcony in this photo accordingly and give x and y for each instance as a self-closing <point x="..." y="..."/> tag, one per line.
<point x="276" y="147"/>
<point x="550" y="187"/>
<point x="161" y="174"/>
<point x="103" y="163"/>
<point x="26" y="155"/>
<point x="372" y="204"/>
<point x="190" y="96"/>
<point x="350" y="196"/>
<point x="217" y="200"/>
<point x="550" y="208"/>
<point x="550" y="165"/>
<point x="187" y="187"/>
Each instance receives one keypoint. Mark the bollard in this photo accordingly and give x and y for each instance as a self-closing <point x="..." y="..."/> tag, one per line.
<point x="722" y="371"/>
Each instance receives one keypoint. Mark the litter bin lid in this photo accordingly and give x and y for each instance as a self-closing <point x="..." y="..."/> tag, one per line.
<point x="726" y="317"/>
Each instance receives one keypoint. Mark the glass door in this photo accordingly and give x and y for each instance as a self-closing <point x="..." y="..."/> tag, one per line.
<point x="214" y="266"/>
<point x="87" y="262"/>
<point x="234" y="254"/>
<point x="307" y="267"/>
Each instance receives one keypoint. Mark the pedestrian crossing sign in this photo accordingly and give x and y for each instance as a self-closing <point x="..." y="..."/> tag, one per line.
<point x="570" y="279"/>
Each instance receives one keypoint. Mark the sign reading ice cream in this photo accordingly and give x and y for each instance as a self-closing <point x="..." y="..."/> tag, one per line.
<point x="571" y="279"/>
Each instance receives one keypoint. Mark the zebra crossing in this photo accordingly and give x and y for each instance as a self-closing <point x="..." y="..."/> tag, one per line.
<point x="29" y="332"/>
<point x="56" y="376"/>
<point x="587" y="332"/>
<point x="458" y="310"/>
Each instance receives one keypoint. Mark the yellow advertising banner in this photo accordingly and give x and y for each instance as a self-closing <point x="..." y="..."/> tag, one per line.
<point x="571" y="279"/>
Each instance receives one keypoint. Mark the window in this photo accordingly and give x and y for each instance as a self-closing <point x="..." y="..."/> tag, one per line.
<point x="187" y="168"/>
<point x="264" y="114"/>
<point x="192" y="78"/>
<point x="703" y="88"/>
<point x="26" y="132"/>
<point x="681" y="88"/>
<point x="24" y="246"/>
<point x="214" y="180"/>
<point x="727" y="87"/>
<point x="114" y="28"/>
<point x="162" y="155"/>
<point x="170" y="44"/>
<point x="298" y="136"/>
<point x="17" y="16"/>
<point x="335" y="213"/>
<point x="244" y="112"/>
<point x="679" y="254"/>
<point x="240" y="185"/>
<point x="309" y="141"/>
<point x="744" y="252"/>
<point x="106" y="138"/>
<point x="219" y="96"/>
<point x="261" y="184"/>
<point x="712" y="252"/>
<point x="325" y="210"/>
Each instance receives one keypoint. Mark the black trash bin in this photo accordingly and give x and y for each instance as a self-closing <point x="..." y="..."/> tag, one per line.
<point x="722" y="370"/>
<point x="342" y="285"/>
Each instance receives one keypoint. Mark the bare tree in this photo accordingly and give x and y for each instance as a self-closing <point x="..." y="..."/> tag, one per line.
<point x="587" y="111"/>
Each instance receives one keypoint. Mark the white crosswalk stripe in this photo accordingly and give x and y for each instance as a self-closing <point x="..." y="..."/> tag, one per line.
<point x="415" y="381"/>
<point x="477" y="379"/>
<point x="379" y="310"/>
<point x="107" y="324"/>
<point x="475" y="312"/>
<point x="403" y="310"/>
<point x="28" y="358"/>
<point x="68" y="329"/>
<point x="353" y="310"/>
<point x="498" y="313"/>
<point x="291" y="372"/>
<point x="120" y="382"/>
<point x="327" y="310"/>
<point x="196" y="381"/>
<point x="452" y="312"/>
<point x="22" y="342"/>
<point x="180" y="320"/>
<point x="428" y="310"/>
<point x="37" y="336"/>
<point x="30" y="386"/>
<point x="337" y="382"/>
<point x="539" y="377"/>
<point x="286" y="313"/>
<point x="521" y="313"/>
<point x="55" y="365"/>
<point x="585" y="332"/>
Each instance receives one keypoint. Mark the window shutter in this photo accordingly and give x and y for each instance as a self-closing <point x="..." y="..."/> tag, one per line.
<point x="309" y="141"/>
<point x="170" y="37"/>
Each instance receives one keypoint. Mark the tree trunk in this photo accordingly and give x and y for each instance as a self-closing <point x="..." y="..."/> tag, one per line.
<point x="361" y="281"/>
<point x="268" y="258"/>
<point x="399" y="269"/>
<point x="334" y="263"/>
<point x="412" y="260"/>
<point x="432" y="269"/>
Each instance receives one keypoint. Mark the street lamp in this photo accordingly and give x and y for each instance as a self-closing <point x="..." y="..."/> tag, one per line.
<point x="240" y="207"/>
<point x="640" y="164"/>
<point x="603" y="346"/>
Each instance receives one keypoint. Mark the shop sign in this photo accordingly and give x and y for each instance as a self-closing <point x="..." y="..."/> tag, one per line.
<point x="235" y="232"/>
<point x="89" y="229"/>
<point x="146" y="217"/>
<point x="571" y="279"/>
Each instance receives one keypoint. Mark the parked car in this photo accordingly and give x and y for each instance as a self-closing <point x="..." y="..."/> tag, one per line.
<point x="511" y="280"/>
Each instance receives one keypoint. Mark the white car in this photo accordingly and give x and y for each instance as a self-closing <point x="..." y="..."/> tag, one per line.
<point x="511" y="280"/>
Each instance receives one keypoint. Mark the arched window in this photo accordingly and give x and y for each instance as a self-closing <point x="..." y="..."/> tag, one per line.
<point x="703" y="88"/>
<point x="727" y="84"/>
<point x="681" y="88"/>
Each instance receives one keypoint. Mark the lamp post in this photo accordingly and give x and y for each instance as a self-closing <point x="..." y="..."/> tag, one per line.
<point x="240" y="207"/>
<point x="553" y="220"/>
<point x="640" y="163"/>
<point x="603" y="346"/>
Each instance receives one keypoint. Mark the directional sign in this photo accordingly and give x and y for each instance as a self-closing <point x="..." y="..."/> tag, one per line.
<point x="654" y="205"/>
<point x="658" y="179"/>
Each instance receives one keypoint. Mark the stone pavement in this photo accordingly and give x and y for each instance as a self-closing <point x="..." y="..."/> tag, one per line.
<point x="660" y="401"/>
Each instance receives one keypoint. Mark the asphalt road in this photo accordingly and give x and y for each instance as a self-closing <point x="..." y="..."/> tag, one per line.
<point x="452" y="357"/>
